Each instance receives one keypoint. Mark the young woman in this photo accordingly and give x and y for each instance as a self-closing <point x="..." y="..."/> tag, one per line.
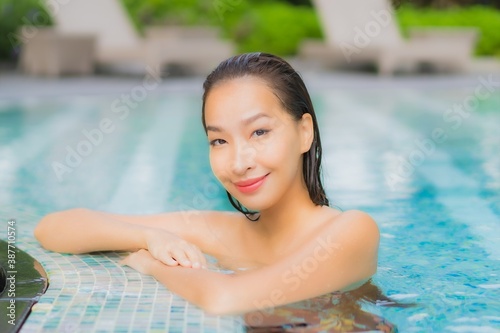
<point x="285" y="244"/>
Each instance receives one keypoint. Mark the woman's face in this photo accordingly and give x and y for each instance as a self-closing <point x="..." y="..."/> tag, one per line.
<point x="255" y="145"/>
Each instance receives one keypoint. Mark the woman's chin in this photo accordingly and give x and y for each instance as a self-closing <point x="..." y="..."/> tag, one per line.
<point x="254" y="203"/>
<point x="254" y="206"/>
<point x="250" y="207"/>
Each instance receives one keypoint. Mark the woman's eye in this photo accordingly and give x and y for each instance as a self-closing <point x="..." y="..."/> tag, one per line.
<point x="260" y="132"/>
<point x="217" y="142"/>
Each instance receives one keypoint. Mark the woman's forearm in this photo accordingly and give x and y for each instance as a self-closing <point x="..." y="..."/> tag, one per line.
<point x="202" y="287"/>
<point x="82" y="230"/>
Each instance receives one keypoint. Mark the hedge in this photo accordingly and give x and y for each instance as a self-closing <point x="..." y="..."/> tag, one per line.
<point x="270" y="26"/>
<point x="14" y="14"/>
<point x="486" y="19"/>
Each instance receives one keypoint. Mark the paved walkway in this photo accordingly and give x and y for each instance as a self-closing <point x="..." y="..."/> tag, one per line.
<point x="14" y="85"/>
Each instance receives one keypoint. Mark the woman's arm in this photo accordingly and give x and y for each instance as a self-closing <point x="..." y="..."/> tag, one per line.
<point x="199" y="286"/>
<point x="82" y="230"/>
<point x="182" y="235"/>
<point x="344" y="254"/>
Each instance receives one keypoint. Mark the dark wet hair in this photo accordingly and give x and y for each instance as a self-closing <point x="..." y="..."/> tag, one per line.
<point x="290" y="89"/>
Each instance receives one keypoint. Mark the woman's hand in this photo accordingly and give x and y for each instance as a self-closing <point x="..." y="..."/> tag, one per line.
<point x="173" y="250"/>
<point x="142" y="261"/>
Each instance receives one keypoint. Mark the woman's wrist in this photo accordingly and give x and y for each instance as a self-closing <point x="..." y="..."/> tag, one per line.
<point x="145" y="234"/>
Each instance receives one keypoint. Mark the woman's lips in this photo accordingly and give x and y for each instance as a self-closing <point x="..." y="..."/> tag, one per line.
<point x="250" y="185"/>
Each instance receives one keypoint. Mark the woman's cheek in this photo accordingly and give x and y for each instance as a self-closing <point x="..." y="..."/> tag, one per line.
<point x="261" y="146"/>
<point x="272" y="151"/>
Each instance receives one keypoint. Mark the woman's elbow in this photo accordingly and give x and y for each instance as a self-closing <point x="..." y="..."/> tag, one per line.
<point x="45" y="229"/>
<point x="220" y="302"/>
<point x="214" y="307"/>
<point x="49" y="228"/>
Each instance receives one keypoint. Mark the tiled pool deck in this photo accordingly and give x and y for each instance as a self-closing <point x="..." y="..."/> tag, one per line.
<point x="92" y="292"/>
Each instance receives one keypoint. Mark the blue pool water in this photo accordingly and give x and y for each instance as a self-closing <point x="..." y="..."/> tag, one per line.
<point x="429" y="176"/>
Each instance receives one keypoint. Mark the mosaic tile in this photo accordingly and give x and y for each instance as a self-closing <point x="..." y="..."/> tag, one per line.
<point x="92" y="293"/>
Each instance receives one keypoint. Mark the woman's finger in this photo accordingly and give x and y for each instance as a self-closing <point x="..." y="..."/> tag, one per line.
<point x="180" y="256"/>
<point x="167" y="259"/>
<point x="201" y="258"/>
<point x="196" y="256"/>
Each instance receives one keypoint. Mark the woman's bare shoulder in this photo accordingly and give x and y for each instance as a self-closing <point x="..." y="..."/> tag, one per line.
<point x="345" y="242"/>
<point x="357" y="215"/>
<point x="357" y="220"/>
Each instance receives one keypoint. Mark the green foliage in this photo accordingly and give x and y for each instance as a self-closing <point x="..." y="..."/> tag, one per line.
<point x="486" y="19"/>
<point x="183" y="12"/>
<point x="270" y="26"/>
<point x="274" y="27"/>
<point x="13" y="15"/>
<point x="259" y="25"/>
<point x="278" y="27"/>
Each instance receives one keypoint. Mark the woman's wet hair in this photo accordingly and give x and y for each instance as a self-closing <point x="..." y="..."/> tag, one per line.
<point x="291" y="91"/>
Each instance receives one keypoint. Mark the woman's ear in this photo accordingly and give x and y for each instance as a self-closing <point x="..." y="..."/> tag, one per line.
<point x="306" y="131"/>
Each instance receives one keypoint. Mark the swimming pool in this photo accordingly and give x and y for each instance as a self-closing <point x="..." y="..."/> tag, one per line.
<point x="424" y="162"/>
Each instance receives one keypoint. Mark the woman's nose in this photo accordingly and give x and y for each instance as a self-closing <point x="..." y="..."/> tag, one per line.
<point x="243" y="158"/>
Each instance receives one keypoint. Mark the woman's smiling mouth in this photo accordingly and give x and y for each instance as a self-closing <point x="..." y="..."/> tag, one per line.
<point x="250" y="185"/>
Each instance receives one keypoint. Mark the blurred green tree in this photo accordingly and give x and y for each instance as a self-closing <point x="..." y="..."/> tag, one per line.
<point x="275" y="26"/>
<point x="300" y="2"/>
<point x="442" y="4"/>
<point x="13" y="15"/>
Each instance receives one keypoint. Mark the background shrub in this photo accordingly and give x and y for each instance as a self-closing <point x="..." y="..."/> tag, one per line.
<point x="13" y="15"/>
<point x="275" y="26"/>
<point x="486" y="19"/>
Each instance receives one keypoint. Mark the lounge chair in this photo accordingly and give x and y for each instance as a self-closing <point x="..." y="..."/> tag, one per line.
<point x="359" y="32"/>
<point x="118" y="43"/>
<point x="53" y="54"/>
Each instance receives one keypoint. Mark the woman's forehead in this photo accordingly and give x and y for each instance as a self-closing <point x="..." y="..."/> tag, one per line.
<point x="243" y="83"/>
<point x="242" y="97"/>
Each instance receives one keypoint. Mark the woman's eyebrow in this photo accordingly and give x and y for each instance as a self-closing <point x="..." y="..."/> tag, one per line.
<point x="213" y="128"/>
<point x="253" y="118"/>
<point x="245" y="122"/>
